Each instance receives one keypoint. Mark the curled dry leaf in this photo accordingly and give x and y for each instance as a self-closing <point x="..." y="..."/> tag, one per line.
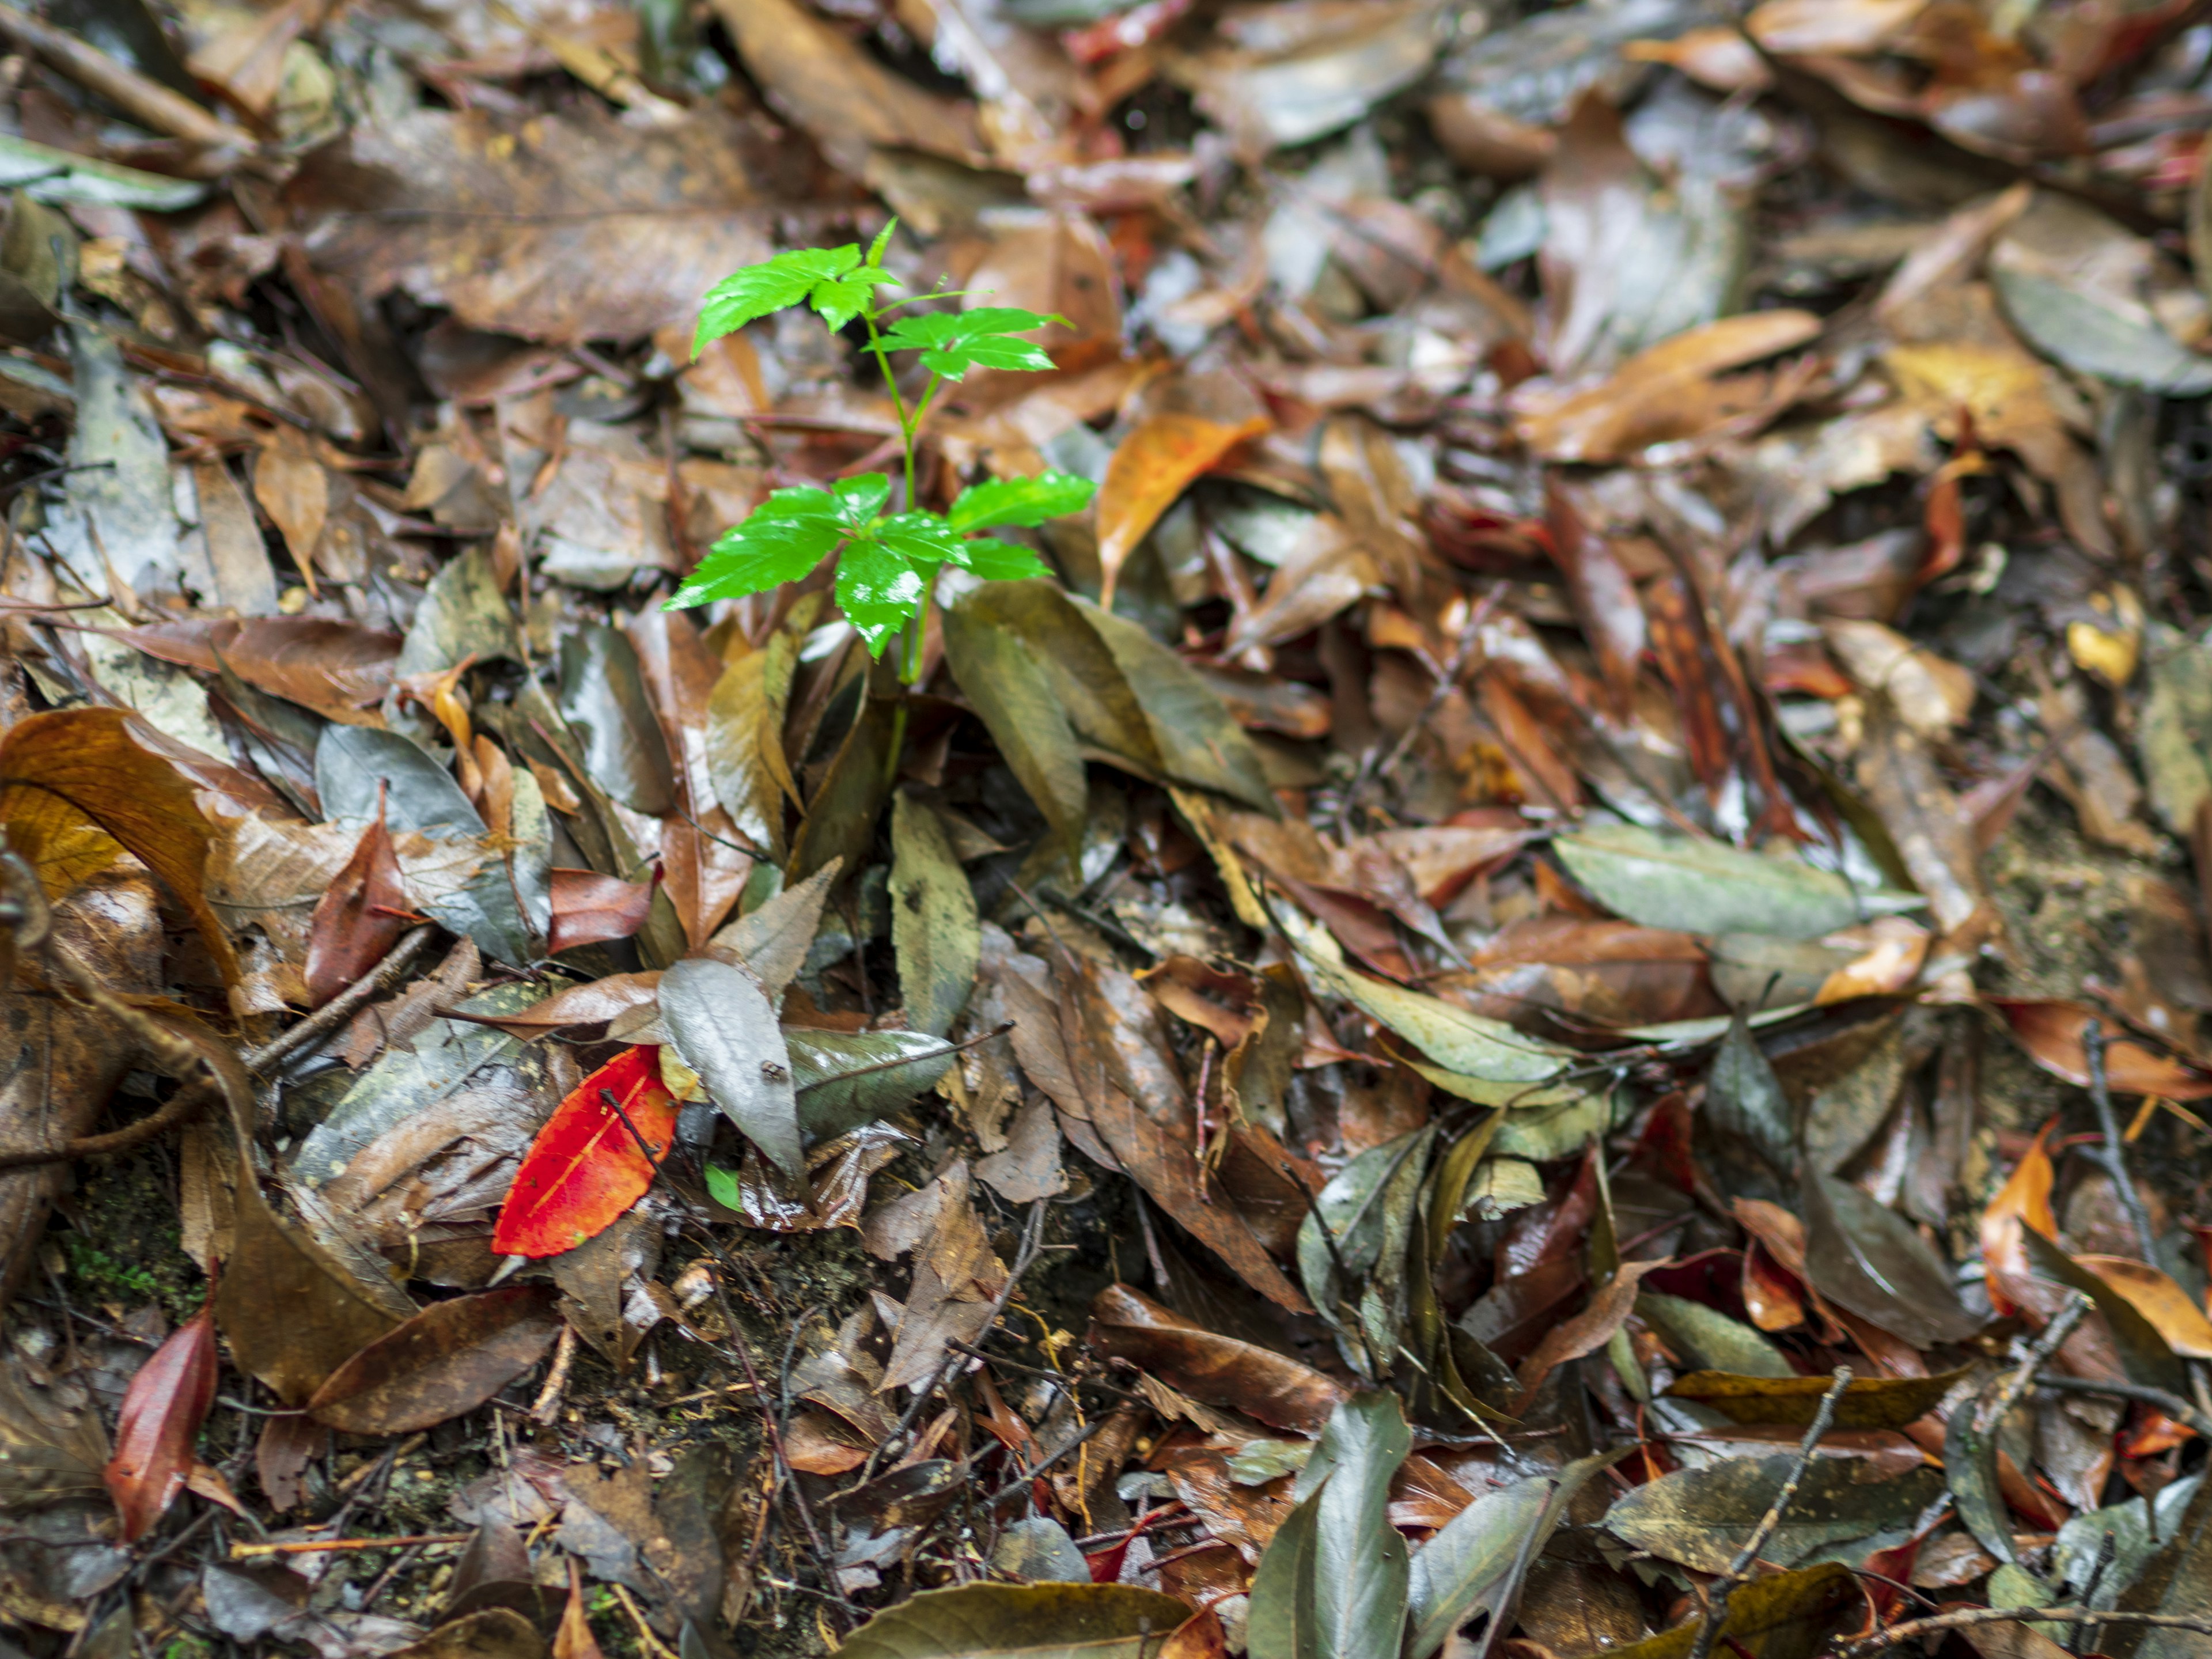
<point x="1125" y="1324"/>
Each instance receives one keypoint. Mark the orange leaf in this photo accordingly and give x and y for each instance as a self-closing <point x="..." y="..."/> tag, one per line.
<point x="162" y="1411"/>
<point x="586" y="1169"/>
<point x="2051" y="1031"/>
<point x="2023" y="1201"/>
<point x="2160" y="1300"/>
<point x="1155" y="464"/>
<point x="76" y="784"/>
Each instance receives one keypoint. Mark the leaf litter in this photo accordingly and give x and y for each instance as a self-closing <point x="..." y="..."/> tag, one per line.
<point x="1573" y="789"/>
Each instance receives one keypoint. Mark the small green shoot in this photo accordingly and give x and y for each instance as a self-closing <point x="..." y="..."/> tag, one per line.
<point x="887" y="562"/>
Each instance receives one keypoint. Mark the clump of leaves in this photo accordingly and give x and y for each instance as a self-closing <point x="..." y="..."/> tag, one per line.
<point x="887" y="562"/>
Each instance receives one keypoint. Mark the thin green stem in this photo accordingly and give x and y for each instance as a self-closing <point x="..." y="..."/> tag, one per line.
<point x="898" y="404"/>
<point x="913" y="431"/>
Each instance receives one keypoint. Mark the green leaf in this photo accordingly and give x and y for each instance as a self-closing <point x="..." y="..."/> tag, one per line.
<point x="1357" y="1586"/>
<point x="1024" y="502"/>
<point x="842" y="1079"/>
<point x="934" y="928"/>
<point x="840" y="300"/>
<point x="758" y="290"/>
<point x="1471" y="1558"/>
<point x="953" y="342"/>
<point x="1700" y="886"/>
<point x="787" y="535"/>
<point x="722" y="1187"/>
<point x="882" y="240"/>
<point x="1000" y="561"/>
<point x="1708" y="1339"/>
<point x="878" y="591"/>
<point x="860" y="497"/>
<point x="923" y="539"/>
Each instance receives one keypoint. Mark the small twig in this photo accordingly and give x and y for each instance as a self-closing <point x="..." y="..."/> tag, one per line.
<point x="548" y="1403"/>
<point x="324" y="1546"/>
<point x="339" y="1008"/>
<point x="1063" y="1378"/>
<point x="2171" y="1404"/>
<point x="1716" y="1601"/>
<point x="2113" y="1157"/>
<point x="1044" y="1463"/>
<point x="2039" y="1355"/>
<point x="1965" y="1618"/>
<point x="1031" y="1236"/>
<point x="139" y="96"/>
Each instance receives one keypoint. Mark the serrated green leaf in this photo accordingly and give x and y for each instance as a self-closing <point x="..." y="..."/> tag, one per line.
<point x="882" y="240"/>
<point x="953" y="342"/>
<point x="744" y="295"/>
<point x="840" y="300"/>
<point x="1024" y="502"/>
<point x="860" y="497"/>
<point x="786" y="537"/>
<point x="923" y="539"/>
<point x="879" y="591"/>
<point x="996" y="561"/>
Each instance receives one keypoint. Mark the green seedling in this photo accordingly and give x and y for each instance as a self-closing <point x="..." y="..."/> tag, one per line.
<point x="887" y="562"/>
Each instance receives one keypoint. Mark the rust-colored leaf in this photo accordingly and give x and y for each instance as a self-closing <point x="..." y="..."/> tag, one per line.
<point x="1586" y="1332"/>
<point x="586" y="1168"/>
<point x="589" y="908"/>
<point x="162" y="1411"/>
<point x="362" y="915"/>
<point x="2023" y="1201"/>
<point x="447" y="1360"/>
<point x="1156" y="463"/>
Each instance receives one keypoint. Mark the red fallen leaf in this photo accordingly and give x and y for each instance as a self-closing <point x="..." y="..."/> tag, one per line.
<point x="2051" y="1031"/>
<point x="360" y="918"/>
<point x="589" y="908"/>
<point x="585" y="1169"/>
<point x="162" y="1411"/>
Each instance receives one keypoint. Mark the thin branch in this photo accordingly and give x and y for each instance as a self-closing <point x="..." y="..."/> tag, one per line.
<point x="1032" y="1236"/>
<point x="334" y="1012"/>
<point x="1717" y="1604"/>
<point x="2113" y="1157"/>
<point x="2039" y="1355"/>
<point x="1965" y="1618"/>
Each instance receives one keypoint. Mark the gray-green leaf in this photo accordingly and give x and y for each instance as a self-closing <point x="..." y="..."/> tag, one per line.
<point x="935" y="931"/>
<point x="723" y="1028"/>
<point x="1698" y="887"/>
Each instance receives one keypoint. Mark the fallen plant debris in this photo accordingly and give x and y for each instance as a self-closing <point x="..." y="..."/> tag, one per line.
<point x="1150" y="830"/>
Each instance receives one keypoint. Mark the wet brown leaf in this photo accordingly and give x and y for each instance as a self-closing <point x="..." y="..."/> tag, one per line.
<point x="446" y="1360"/>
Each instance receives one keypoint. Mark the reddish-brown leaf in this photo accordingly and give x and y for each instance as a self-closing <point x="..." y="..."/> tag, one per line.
<point x="586" y="1169"/>
<point x="447" y="1360"/>
<point x="162" y="1411"/>
<point x="337" y="669"/>
<point x="1217" y="1369"/>
<point x="361" y="917"/>
<point x="2051" y="1031"/>
<point x="589" y="908"/>
<point x="1586" y="1332"/>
